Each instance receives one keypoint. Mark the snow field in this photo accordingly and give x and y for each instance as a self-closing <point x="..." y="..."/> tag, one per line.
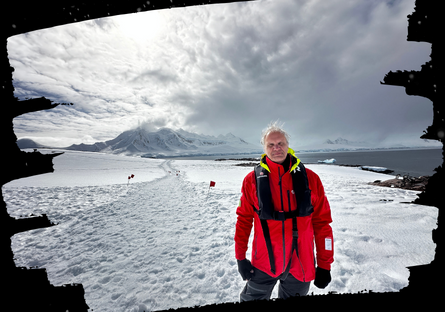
<point x="376" y="235"/>
<point x="166" y="241"/>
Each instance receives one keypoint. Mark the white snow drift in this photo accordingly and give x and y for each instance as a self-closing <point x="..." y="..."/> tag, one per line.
<point x="165" y="240"/>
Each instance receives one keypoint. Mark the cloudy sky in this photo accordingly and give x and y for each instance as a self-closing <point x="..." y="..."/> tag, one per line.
<point x="213" y="69"/>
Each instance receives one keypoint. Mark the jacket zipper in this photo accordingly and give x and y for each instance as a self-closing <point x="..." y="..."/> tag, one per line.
<point x="288" y="200"/>
<point x="282" y="222"/>
<point x="301" y="265"/>
<point x="304" y="275"/>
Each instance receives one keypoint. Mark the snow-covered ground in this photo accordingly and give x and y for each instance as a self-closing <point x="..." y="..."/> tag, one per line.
<point x="165" y="239"/>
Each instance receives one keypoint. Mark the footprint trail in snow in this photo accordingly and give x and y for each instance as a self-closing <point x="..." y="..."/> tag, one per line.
<point x="168" y="242"/>
<point x="160" y="244"/>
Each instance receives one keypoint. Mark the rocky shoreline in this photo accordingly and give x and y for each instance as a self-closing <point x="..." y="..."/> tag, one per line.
<point x="407" y="183"/>
<point x="252" y="162"/>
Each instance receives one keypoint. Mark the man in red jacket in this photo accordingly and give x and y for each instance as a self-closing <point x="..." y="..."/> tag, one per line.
<point x="289" y="210"/>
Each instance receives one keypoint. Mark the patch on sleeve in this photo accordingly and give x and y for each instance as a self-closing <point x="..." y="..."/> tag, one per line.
<point x="328" y="243"/>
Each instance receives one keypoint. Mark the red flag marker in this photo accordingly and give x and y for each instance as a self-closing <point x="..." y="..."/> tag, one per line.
<point x="212" y="184"/>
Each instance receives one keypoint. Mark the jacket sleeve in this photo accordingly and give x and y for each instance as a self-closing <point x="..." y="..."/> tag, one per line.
<point x="245" y="216"/>
<point x="321" y="219"/>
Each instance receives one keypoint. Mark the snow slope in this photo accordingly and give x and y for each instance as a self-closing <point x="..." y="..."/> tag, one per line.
<point x="165" y="240"/>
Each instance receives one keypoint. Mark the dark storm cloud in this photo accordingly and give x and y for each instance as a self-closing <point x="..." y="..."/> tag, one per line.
<point x="315" y="66"/>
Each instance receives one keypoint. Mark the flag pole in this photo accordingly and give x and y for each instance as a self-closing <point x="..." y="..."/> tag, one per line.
<point x="211" y="184"/>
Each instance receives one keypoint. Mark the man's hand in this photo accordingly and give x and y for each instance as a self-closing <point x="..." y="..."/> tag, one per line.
<point x="322" y="277"/>
<point x="245" y="268"/>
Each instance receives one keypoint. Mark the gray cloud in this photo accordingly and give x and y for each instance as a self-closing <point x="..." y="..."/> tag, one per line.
<point x="316" y="65"/>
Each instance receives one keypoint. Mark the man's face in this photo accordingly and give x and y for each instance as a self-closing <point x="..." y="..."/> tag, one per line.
<point x="275" y="146"/>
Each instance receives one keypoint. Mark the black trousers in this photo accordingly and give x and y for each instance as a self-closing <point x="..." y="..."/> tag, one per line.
<point x="260" y="287"/>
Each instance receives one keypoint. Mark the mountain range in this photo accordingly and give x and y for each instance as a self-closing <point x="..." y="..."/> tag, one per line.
<point x="341" y="144"/>
<point x="340" y="140"/>
<point x="164" y="142"/>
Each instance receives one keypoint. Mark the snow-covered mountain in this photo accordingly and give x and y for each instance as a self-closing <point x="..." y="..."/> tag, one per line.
<point x="168" y="142"/>
<point x="341" y="144"/>
<point x="28" y="143"/>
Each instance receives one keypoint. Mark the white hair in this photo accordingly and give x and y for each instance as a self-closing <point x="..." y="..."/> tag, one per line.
<point x="273" y="127"/>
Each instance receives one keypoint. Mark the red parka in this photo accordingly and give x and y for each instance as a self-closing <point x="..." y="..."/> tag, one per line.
<point x="313" y="228"/>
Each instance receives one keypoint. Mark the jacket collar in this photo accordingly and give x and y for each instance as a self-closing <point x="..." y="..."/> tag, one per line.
<point x="295" y="161"/>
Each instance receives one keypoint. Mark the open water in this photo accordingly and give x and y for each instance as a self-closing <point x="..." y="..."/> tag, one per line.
<point x="412" y="162"/>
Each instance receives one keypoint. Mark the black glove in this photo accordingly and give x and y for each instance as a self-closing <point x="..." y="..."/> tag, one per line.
<point x="322" y="277"/>
<point x="245" y="268"/>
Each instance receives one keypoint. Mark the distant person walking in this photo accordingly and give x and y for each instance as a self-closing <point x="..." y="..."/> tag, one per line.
<point x="286" y="204"/>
